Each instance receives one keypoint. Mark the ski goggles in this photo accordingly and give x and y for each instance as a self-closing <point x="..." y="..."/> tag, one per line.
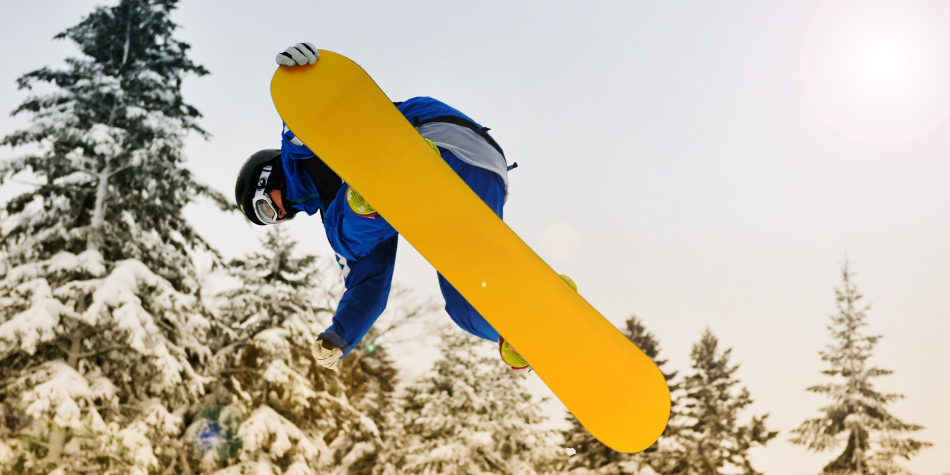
<point x="264" y="207"/>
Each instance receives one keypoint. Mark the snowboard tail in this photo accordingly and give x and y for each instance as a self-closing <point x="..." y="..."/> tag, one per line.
<point x="340" y="113"/>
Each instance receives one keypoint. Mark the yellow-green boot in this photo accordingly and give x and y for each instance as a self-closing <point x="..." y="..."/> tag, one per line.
<point x="359" y="205"/>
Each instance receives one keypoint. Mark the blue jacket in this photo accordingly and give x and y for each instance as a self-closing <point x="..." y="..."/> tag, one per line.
<point x="301" y="191"/>
<point x="366" y="256"/>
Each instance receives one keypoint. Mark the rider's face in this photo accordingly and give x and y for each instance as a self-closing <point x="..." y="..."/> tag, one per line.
<point x="275" y="195"/>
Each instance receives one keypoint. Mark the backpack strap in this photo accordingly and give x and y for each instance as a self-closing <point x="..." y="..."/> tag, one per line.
<point x="450" y="119"/>
<point x="327" y="182"/>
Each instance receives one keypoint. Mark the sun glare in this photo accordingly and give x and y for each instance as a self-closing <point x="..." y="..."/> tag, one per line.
<point x="877" y="70"/>
<point x="885" y="62"/>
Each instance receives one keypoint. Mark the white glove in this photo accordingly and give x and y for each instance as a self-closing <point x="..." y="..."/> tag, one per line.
<point x="298" y="54"/>
<point x="328" y="358"/>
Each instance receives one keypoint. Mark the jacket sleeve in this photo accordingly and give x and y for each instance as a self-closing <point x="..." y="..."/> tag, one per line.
<point x="368" y="282"/>
<point x="293" y="148"/>
<point x="301" y="191"/>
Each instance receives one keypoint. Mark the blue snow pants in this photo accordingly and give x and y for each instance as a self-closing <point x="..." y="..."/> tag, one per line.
<point x="366" y="251"/>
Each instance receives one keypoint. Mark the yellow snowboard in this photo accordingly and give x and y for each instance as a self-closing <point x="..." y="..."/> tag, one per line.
<point x="611" y="386"/>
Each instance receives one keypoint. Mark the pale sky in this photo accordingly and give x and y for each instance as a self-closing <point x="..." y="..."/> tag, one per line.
<point x="694" y="163"/>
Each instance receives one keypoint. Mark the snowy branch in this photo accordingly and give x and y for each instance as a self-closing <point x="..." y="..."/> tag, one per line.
<point x="101" y="351"/>
<point x="58" y="187"/>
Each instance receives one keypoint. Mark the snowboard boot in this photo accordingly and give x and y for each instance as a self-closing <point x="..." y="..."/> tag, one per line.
<point x="326" y="354"/>
<point x="569" y="282"/>
<point x="434" y="146"/>
<point x="359" y="205"/>
<point x="508" y="353"/>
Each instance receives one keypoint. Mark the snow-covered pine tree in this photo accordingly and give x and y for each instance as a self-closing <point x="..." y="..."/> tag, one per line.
<point x="297" y="415"/>
<point x="100" y="330"/>
<point x="269" y="287"/>
<point x="471" y="415"/>
<point x="110" y="167"/>
<point x="857" y="415"/>
<point x="595" y="457"/>
<point x="710" y="439"/>
<point x="371" y="376"/>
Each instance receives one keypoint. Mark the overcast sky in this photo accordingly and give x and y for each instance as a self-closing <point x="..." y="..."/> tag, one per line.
<point x="694" y="163"/>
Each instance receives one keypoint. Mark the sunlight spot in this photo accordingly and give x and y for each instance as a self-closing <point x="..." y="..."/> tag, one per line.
<point x="876" y="71"/>
<point x="884" y="61"/>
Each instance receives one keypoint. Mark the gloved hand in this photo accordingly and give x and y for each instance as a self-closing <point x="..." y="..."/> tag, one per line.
<point x="326" y="354"/>
<point x="298" y="54"/>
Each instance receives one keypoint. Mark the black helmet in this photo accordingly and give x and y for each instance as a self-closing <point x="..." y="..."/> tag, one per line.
<point x="250" y="181"/>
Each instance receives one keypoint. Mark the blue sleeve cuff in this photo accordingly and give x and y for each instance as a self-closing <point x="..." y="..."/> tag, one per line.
<point x="337" y="341"/>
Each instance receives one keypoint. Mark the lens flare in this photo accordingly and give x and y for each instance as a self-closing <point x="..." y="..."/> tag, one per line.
<point x="214" y="433"/>
<point x="875" y="71"/>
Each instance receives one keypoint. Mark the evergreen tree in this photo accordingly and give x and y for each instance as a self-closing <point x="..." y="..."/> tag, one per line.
<point x="596" y="457"/>
<point x="122" y="363"/>
<point x="270" y="287"/>
<point x="371" y="377"/>
<point x="101" y="335"/>
<point x="857" y="414"/>
<point x="470" y="416"/>
<point x="110" y="139"/>
<point x="298" y="417"/>
<point x="710" y="439"/>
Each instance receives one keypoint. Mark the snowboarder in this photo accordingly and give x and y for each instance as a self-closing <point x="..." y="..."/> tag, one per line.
<point x="273" y="186"/>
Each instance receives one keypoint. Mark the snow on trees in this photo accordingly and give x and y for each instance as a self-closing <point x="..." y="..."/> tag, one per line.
<point x="84" y="349"/>
<point x="270" y="287"/>
<point x="371" y="376"/>
<point x="857" y="414"/>
<point x="709" y="439"/>
<point x="297" y="415"/>
<point x="471" y="415"/>
<point x="101" y="335"/>
<point x="108" y="142"/>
